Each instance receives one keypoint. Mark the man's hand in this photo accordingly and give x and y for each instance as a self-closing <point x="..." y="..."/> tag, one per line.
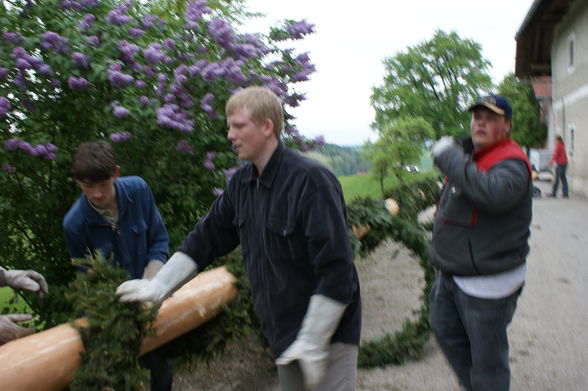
<point x="24" y="279"/>
<point x="178" y="270"/>
<point x="9" y="330"/>
<point x="141" y="290"/>
<point x="441" y="145"/>
<point x="311" y="347"/>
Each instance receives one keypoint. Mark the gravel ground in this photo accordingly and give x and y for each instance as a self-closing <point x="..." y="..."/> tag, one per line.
<point x="549" y="341"/>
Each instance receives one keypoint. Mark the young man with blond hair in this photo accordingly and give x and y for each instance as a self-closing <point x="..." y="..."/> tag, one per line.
<point x="288" y="214"/>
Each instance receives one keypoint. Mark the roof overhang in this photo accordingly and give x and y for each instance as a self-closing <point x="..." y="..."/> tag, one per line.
<point x="535" y="36"/>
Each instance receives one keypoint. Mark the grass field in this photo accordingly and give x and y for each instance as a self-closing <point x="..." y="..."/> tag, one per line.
<point x="6" y="295"/>
<point x="368" y="185"/>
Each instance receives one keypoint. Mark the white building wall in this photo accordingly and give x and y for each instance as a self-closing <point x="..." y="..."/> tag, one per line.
<point x="570" y="92"/>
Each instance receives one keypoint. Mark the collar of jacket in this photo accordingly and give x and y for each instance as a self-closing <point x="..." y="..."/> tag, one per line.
<point x="270" y="170"/>
<point x="122" y="201"/>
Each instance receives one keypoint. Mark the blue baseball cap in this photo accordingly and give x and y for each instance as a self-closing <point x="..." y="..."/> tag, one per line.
<point x="496" y="103"/>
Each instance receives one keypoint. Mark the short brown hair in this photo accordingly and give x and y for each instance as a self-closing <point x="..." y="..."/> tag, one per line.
<point x="94" y="161"/>
<point x="262" y="104"/>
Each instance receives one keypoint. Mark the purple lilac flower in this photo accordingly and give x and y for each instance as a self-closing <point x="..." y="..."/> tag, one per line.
<point x="47" y="151"/>
<point x="221" y="32"/>
<point x="77" y="83"/>
<point x="46" y="70"/>
<point x="169" y="44"/>
<point x="230" y="172"/>
<point x="143" y="100"/>
<point x="4" y="72"/>
<point x="208" y="165"/>
<point x="217" y="192"/>
<point x="206" y="105"/>
<point x="94" y="40"/>
<point x="128" y="51"/>
<point x="23" y="64"/>
<point x="53" y="41"/>
<point x="12" y="144"/>
<point x="118" y="16"/>
<point x="81" y="60"/>
<point x="136" y="32"/>
<point x="87" y="22"/>
<point x="15" y="38"/>
<point x="20" y="80"/>
<point x="184" y="147"/>
<point x="293" y="100"/>
<point x="298" y="30"/>
<point x="171" y="116"/>
<point x="5" y="106"/>
<point x="140" y="84"/>
<point x="120" y="136"/>
<point x="119" y="79"/>
<point x="154" y="53"/>
<point x="149" y="21"/>
<point x="8" y="168"/>
<point x="194" y="12"/>
<point x="120" y="111"/>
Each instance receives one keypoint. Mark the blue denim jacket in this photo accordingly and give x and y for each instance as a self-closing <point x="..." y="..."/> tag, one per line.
<point x="292" y="226"/>
<point x="138" y="237"/>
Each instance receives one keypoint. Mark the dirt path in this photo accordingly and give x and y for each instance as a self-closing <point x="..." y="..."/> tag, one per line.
<point x="549" y="341"/>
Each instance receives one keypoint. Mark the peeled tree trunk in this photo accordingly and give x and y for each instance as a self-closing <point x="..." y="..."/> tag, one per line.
<point x="47" y="361"/>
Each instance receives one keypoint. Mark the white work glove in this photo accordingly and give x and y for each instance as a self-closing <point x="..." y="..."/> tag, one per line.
<point x="24" y="279"/>
<point x="441" y="145"/>
<point x="178" y="270"/>
<point x="311" y="346"/>
<point x="9" y="330"/>
<point x="153" y="266"/>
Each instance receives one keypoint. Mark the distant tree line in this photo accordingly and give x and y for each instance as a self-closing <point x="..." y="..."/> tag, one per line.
<point x="340" y="159"/>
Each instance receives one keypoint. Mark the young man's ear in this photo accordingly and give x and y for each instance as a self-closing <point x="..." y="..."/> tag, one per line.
<point x="268" y="128"/>
<point x="116" y="171"/>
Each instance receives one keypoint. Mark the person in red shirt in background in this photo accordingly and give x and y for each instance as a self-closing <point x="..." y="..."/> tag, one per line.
<point x="561" y="160"/>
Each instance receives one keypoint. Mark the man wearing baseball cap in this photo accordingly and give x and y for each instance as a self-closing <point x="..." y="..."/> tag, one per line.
<point x="479" y="245"/>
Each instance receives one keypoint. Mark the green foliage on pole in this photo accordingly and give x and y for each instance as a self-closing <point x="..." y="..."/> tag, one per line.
<point x="152" y="78"/>
<point x="435" y="80"/>
<point x="112" y="340"/>
<point x="407" y="343"/>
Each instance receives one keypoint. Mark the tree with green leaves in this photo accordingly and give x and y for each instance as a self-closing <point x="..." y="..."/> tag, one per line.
<point x="435" y="80"/>
<point x="527" y="128"/>
<point x="400" y="143"/>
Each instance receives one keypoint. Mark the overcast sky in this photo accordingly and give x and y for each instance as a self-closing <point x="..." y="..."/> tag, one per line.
<point x="352" y="38"/>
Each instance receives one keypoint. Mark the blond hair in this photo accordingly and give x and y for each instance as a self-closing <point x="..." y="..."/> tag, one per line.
<point x="261" y="103"/>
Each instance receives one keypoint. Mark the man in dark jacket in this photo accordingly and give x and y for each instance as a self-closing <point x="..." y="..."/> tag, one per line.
<point x="118" y="217"/>
<point x="289" y="216"/>
<point x="480" y="245"/>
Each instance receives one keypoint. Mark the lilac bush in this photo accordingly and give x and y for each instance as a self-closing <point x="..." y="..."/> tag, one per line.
<point x="153" y="83"/>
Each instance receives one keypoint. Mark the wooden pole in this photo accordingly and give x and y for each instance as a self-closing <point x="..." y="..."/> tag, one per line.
<point x="47" y="361"/>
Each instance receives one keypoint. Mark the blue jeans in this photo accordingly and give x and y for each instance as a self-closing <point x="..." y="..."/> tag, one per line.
<point x="560" y="175"/>
<point x="472" y="334"/>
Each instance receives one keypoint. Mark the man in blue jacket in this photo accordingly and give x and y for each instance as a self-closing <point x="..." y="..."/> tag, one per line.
<point x="288" y="214"/>
<point x="118" y="217"/>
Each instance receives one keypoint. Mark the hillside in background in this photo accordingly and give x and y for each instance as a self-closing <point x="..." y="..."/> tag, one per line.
<point x="341" y="160"/>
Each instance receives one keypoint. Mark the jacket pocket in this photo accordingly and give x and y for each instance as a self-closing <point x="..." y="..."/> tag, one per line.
<point x="283" y="241"/>
<point x="456" y="210"/>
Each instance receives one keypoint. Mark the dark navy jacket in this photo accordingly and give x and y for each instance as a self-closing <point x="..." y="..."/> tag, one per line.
<point x="291" y="224"/>
<point x="138" y="237"/>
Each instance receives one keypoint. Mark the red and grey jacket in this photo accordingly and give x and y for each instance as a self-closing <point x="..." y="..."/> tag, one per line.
<point x="483" y="216"/>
